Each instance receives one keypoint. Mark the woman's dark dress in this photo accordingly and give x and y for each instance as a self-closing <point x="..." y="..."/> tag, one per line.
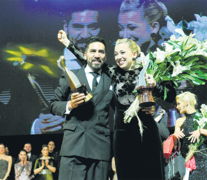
<point x="45" y="174"/>
<point x="201" y="159"/>
<point x="3" y="168"/>
<point x="135" y="159"/>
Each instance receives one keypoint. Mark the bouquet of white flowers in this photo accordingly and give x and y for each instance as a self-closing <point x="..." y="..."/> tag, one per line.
<point x="184" y="58"/>
<point x="180" y="59"/>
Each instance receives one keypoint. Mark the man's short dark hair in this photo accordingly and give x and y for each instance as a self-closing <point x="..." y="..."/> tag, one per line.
<point x="28" y="143"/>
<point x="92" y="40"/>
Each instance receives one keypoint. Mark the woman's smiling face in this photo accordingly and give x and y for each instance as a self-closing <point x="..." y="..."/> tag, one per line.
<point x="123" y="56"/>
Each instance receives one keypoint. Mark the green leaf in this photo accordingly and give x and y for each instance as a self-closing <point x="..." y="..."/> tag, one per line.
<point x="162" y="66"/>
<point x="198" y="82"/>
<point x="175" y="58"/>
<point x="135" y="91"/>
<point x="191" y="61"/>
<point x="192" y="73"/>
<point x="165" y="92"/>
<point x="166" y="78"/>
<point x="199" y="66"/>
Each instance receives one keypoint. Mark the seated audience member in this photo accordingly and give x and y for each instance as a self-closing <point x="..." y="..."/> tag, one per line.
<point x="44" y="166"/>
<point x="23" y="168"/>
<point x="5" y="163"/>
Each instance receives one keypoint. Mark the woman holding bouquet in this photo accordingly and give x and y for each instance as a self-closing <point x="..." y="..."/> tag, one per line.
<point x="187" y="130"/>
<point x="133" y="155"/>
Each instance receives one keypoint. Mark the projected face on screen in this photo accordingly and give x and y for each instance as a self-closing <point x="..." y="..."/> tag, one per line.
<point x="83" y="25"/>
<point x="133" y="26"/>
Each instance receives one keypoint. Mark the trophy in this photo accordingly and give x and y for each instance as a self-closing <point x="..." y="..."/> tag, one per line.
<point x="145" y="91"/>
<point x="74" y="82"/>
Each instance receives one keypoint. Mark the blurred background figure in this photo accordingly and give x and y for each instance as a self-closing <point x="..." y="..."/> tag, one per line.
<point x="141" y="21"/>
<point x="44" y="166"/>
<point x="55" y="155"/>
<point x="5" y="163"/>
<point x="13" y="162"/>
<point x="23" y="168"/>
<point x="82" y="25"/>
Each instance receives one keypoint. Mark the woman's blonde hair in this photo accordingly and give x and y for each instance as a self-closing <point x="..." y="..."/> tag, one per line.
<point x="188" y="96"/>
<point x="132" y="45"/>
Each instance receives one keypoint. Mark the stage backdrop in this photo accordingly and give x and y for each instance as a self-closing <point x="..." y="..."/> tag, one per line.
<point x="29" y="49"/>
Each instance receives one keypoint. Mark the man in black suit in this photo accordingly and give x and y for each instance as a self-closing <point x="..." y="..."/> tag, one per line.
<point x="30" y="157"/>
<point x="85" y="151"/>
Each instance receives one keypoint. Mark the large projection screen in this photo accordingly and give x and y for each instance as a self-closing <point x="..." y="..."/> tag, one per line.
<point x="29" y="49"/>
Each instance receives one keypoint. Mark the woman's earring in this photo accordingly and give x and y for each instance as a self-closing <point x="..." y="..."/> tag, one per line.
<point x="133" y="59"/>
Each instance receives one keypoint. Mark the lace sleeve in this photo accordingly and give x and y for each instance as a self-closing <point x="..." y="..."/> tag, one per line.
<point x="29" y="168"/>
<point x="77" y="52"/>
<point x="18" y="170"/>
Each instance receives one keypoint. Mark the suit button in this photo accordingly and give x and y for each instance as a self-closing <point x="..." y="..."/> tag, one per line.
<point x="97" y="132"/>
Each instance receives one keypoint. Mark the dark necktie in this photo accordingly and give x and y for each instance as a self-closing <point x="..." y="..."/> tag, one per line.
<point x="94" y="83"/>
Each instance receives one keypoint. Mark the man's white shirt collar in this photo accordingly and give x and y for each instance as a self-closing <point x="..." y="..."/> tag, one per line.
<point x="89" y="70"/>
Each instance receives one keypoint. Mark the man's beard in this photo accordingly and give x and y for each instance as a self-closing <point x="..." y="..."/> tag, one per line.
<point x="95" y="67"/>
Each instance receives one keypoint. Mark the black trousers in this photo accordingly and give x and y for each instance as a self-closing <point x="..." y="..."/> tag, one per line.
<point x="79" y="168"/>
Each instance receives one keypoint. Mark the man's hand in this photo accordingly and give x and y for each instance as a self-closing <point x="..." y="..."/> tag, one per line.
<point x="76" y="99"/>
<point x="62" y="37"/>
<point x="150" y="80"/>
<point x="47" y="123"/>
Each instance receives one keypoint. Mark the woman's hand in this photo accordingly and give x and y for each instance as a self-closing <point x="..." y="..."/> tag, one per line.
<point x="43" y="163"/>
<point x="47" y="162"/>
<point x="179" y="134"/>
<point x="150" y="80"/>
<point x="194" y="136"/>
<point x="62" y="37"/>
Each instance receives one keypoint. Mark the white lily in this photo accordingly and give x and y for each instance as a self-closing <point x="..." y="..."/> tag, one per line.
<point x="202" y="121"/>
<point x="169" y="50"/>
<point x="177" y="68"/>
<point x="204" y="110"/>
<point x="160" y="56"/>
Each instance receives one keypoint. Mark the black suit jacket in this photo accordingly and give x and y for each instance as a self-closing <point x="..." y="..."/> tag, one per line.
<point x="86" y="131"/>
